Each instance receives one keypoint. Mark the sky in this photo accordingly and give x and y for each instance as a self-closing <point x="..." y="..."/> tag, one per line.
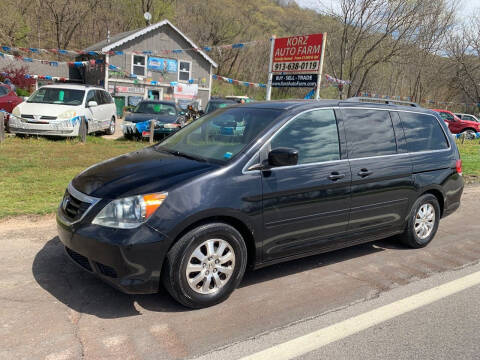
<point x="466" y="7"/>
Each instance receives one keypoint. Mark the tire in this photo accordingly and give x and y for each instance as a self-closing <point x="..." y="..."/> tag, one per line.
<point x="111" y="128"/>
<point x="187" y="289"/>
<point x="469" y="134"/>
<point x="413" y="237"/>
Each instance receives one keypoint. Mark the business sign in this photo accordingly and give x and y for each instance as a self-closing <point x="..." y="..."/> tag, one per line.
<point x="295" y="80"/>
<point x="162" y="65"/>
<point x="125" y="89"/>
<point x="297" y="54"/>
<point x="185" y="91"/>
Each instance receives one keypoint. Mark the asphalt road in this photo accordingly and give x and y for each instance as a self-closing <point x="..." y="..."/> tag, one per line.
<point x="51" y="309"/>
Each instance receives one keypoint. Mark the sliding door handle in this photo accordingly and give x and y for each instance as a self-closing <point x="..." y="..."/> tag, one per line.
<point x="364" y="172"/>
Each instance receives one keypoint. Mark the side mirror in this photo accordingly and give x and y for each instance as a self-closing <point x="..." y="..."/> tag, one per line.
<point x="283" y="157"/>
<point x="92" y="104"/>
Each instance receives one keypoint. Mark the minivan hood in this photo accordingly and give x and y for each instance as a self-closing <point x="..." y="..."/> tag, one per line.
<point x="44" y="109"/>
<point x="139" y="172"/>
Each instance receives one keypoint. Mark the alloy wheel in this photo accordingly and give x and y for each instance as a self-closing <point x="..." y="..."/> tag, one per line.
<point x="210" y="266"/>
<point x="425" y="221"/>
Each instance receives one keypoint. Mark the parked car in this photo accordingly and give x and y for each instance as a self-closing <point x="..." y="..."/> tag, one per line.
<point x="295" y="179"/>
<point x="239" y="99"/>
<point x="457" y="125"/>
<point x="167" y="115"/>
<point x="58" y="110"/>
<point x="8" y="101"/>
<point x="218" y="103"/>
<point x="468" y="117"/>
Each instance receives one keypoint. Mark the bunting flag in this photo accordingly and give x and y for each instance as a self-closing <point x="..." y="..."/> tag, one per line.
<point x="37" y="77"/>
<point x="12" y="49"/>
<point x="332" y="79"/>
<point x="238" y="82"/>
<point x="51" y="63"/>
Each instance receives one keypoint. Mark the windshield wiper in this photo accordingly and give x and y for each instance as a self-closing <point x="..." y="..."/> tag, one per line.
<point x="181" y="154"/>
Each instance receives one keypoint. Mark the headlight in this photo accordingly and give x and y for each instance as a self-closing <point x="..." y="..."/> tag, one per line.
<point x="67" y="114"/>
<point x="130" y="212"/>
<point x="16" y="111"/>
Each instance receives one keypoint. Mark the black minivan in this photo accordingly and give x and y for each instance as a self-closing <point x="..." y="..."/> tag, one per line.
<point x="256" y="184"/>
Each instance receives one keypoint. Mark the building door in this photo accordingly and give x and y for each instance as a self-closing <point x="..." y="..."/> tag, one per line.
<point x="119" y="104"/>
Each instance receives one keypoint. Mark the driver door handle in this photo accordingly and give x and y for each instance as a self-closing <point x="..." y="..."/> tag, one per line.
<point x="334" y="176"/>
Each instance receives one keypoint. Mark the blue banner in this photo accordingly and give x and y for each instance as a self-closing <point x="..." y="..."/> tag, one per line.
<point x="161" y="64"/>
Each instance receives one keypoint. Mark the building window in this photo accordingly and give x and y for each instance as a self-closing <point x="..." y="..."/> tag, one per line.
<point x="184" y="71"/>
<point x="139" y="64"/>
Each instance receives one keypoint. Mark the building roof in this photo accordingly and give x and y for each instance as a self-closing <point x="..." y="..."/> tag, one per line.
<point x="122" y="38"/>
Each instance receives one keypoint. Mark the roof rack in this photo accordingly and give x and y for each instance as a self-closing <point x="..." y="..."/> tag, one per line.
<point x="383" y="101"/>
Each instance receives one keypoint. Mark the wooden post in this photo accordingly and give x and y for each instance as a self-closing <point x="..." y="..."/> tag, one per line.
<point x="83" y="130"/>
<point x="2" y="127"/>
<point x="152" y="130"/>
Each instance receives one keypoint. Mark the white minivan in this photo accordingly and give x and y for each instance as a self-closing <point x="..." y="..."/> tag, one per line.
<point x="58" y="110"/>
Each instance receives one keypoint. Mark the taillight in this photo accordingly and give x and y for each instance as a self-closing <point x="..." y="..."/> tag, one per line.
<point x="458" y="165"/>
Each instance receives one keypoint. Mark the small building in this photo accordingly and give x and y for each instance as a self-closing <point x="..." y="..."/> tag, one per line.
<point x="156" y="62"/>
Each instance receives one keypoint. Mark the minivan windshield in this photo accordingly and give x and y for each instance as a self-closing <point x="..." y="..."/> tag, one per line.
<point x="150" y="107"/>
<point x="214" y="105"/>
<point x="58" y="96"/>
<point x="221" y="135"/>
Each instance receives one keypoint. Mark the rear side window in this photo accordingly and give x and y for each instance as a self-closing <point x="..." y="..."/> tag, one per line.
<point x="314" y="134"/>
<point x="423" y="132"/>
<point x="369" y="133"/>
<point x="446" y="116"/>
<point x="99" y="98"/>
<point x="107" y="98"/>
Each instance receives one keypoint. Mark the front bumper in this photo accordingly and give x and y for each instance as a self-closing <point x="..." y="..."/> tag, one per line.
<point x="53" y="128"/>
<point x="130" y="260"/>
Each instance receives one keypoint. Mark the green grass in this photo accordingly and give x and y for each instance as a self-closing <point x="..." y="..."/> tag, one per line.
<point x="470" y="153"/>
<point x="35" y="172"/>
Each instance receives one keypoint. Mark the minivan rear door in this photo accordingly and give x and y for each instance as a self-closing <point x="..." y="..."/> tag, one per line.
<point x="382" y="181"/>
<point x="306" y="206"/>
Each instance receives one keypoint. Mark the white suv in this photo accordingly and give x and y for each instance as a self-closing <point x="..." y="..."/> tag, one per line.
<point x="57" y="110"/>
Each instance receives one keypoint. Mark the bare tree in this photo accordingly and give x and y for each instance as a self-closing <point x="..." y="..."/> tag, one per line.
<point x="67" y="16"/>
<point x="464" y="52"/>
<point x="373" y="32"/>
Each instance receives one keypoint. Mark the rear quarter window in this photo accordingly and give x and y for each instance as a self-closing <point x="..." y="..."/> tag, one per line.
<point x="423" y="132"/>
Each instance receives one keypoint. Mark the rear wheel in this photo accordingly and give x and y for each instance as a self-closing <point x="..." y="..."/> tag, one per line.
<point x="205" y="266"/>
<point x="423" y="222"/>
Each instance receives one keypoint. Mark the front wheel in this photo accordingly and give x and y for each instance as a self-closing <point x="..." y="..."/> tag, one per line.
<point x="469" y="134"/>
<point x="111" y="127"/>
<point x="422" y="223"/>
<point x="205" y="266"/>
